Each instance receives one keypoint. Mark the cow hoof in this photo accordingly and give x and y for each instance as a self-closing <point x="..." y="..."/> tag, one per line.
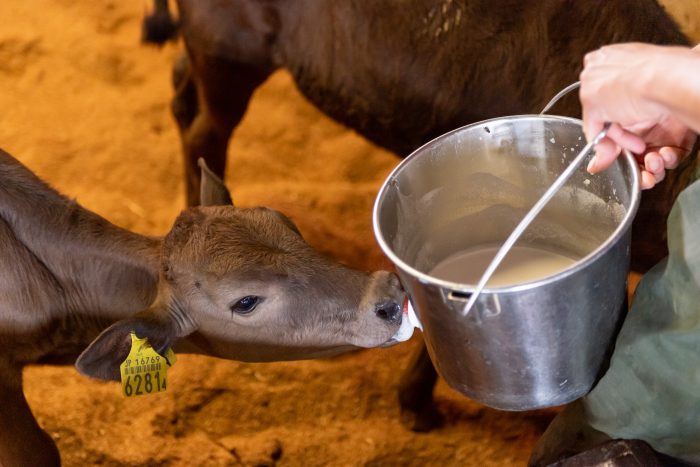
<point x="158" y="29"/>
<point x="422" y="419"/>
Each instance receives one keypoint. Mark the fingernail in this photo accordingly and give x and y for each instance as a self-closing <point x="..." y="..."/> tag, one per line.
<point x="591" y="165"/>
<point x="653" y="165"/>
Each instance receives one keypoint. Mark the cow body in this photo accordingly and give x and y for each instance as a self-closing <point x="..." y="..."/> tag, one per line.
<point x="232" y="283"/>
<point x="402" y="73"/>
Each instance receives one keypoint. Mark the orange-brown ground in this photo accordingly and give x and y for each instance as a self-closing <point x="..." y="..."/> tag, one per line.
<point x="86" y="107"/>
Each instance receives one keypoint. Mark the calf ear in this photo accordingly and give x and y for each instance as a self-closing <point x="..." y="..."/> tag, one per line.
<point x="106" y="353"/>
<point x="212" y="191"/>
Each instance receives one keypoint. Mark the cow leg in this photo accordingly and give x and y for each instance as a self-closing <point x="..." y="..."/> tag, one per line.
<point x="185" y="108"/>
<point x="159" y="26"/>
<point x="210" y="101"/>
<point x="184" y="104"/>
<point x="418" y="411"/>
<point x="22" y="441"/>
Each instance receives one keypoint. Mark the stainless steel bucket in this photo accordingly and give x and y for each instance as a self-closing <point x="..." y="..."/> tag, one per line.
<point x="530" y="345"/>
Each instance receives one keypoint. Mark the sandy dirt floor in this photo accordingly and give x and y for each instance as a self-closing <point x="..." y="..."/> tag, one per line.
<point x="85" y="106"/>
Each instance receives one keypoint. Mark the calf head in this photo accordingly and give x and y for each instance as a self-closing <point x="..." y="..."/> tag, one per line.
<point x="243" y="284"/>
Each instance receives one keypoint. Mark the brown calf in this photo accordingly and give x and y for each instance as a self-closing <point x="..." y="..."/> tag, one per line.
<point x="229" y="282"/>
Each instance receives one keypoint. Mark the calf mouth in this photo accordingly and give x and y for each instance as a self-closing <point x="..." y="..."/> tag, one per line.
<point x="405" y="330"/>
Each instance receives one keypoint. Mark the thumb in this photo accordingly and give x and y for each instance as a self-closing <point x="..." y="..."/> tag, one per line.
<point x="591" y="127"/>
<point x="606" y="151"/>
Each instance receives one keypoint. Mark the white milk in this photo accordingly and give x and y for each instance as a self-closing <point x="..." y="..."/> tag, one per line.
<point x="521" y="264"/>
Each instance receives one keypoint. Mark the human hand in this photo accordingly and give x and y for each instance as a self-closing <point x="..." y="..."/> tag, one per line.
<point x="617" y="86"/>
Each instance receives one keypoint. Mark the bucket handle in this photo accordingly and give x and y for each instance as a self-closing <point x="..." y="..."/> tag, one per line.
<point x="463" y="297"/>
<point x="559" y="95"/>
<point x="458" y="296"/>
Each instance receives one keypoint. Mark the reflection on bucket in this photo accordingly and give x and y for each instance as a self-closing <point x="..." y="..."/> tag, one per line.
<point x="543" y="340"/>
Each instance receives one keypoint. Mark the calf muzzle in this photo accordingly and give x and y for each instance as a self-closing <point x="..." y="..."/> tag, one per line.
<point x="389" y="311"/>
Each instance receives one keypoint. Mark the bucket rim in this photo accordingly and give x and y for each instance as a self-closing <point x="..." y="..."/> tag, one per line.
<point x="623" y="226"/>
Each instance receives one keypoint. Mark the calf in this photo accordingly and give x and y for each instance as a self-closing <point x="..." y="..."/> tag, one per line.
<point x="229" y="282"/>
<point x="401" y="73"/>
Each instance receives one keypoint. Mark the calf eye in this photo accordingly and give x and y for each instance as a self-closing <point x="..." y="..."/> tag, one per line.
<point x="245" y="305"/>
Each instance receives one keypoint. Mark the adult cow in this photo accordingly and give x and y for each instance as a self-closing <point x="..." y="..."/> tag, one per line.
<point x="401" y="73"/>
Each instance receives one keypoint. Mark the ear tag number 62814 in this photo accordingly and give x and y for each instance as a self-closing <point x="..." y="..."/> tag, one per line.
<point x="144" y="371"/>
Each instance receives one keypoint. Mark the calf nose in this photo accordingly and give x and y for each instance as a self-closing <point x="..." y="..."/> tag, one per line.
<point x="389" y="311"/>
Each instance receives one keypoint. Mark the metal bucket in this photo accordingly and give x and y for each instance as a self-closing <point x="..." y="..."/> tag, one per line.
<point x="530" y="345"/>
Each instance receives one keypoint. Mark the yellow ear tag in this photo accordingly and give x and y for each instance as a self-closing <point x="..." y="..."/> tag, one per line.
<point x="144" y="371"/>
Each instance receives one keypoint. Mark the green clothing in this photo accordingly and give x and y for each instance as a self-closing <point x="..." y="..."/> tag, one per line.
<point x="652" y="389"/>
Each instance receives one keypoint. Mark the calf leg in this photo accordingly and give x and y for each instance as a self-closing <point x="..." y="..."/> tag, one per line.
<point x="418" y="411"/>
<point x="211" y="97"/>
<point x="22" y="441"/>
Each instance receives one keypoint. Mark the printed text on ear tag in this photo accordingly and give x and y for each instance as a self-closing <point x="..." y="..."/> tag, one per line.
<point x="144" y="371"/>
